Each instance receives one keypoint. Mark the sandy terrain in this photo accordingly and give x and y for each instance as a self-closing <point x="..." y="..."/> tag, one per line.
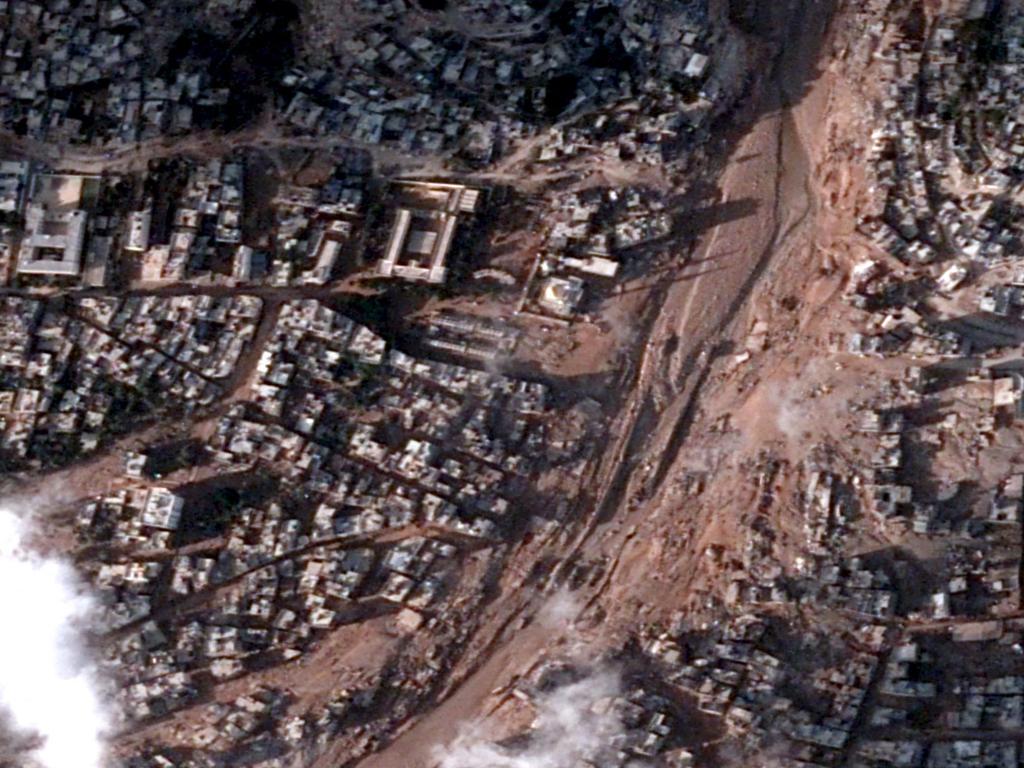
<point x="683" y="379"/>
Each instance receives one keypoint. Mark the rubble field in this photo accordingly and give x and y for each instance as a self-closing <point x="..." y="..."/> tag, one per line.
<point x="481" y="383"/>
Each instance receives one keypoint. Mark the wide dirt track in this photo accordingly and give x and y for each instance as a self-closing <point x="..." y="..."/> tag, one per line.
<point x="769" y="156"/>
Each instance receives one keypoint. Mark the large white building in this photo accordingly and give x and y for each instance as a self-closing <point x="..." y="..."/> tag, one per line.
<point x="55" y="226"/>
<point x="422" y="233"/>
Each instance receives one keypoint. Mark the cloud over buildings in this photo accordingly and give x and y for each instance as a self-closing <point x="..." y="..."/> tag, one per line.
<point x="49" y="686"/>
<point x="575" y="722"/>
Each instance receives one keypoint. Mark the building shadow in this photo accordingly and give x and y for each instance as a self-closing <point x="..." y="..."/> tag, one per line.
<point x="985" y="332"/>
<point x="696" y="222"/>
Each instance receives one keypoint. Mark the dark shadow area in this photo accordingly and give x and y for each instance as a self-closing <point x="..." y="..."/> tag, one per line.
<point x="929" y="412"/>
<point x="985" y="331"/>
<point x="677" y="279"/>
<point x="913" y="581"/>
<point x="249" y="63"/>
<point x="695" y="222"/>
<point x="559" y="94"/>
<point x="210" y="505"/>
<point x="1008" y="367"/>
<point x="941" y="377"/>
<point x="171" y="456"/>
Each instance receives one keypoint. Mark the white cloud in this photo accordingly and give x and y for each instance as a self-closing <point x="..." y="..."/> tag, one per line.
<point x="573" y="723"/>
<point x="48" y="684"/>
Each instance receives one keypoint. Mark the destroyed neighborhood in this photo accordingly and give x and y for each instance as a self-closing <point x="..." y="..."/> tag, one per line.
<point x="540" y="383"/>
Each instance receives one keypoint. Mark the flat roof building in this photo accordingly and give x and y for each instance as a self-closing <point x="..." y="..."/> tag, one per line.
<point x="696" y="66"/>
<point x="55" y="226"/>
<point x="424" y="226"/>
<point x="561" y="295"/>
<point x="162" y="509"/>
<point x="53" y="243"/>
<point x="139" y="224"/>
<point x="13" y="177"/>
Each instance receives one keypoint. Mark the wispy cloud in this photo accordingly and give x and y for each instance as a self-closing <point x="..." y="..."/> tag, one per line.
<point x="574" y="723"/>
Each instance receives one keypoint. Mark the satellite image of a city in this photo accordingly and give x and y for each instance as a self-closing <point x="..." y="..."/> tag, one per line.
<point x="511" y="383"/>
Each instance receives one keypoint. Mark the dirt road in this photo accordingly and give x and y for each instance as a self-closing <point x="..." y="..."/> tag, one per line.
<point x="705" y="317"/>
<point x="705" y="321"/>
